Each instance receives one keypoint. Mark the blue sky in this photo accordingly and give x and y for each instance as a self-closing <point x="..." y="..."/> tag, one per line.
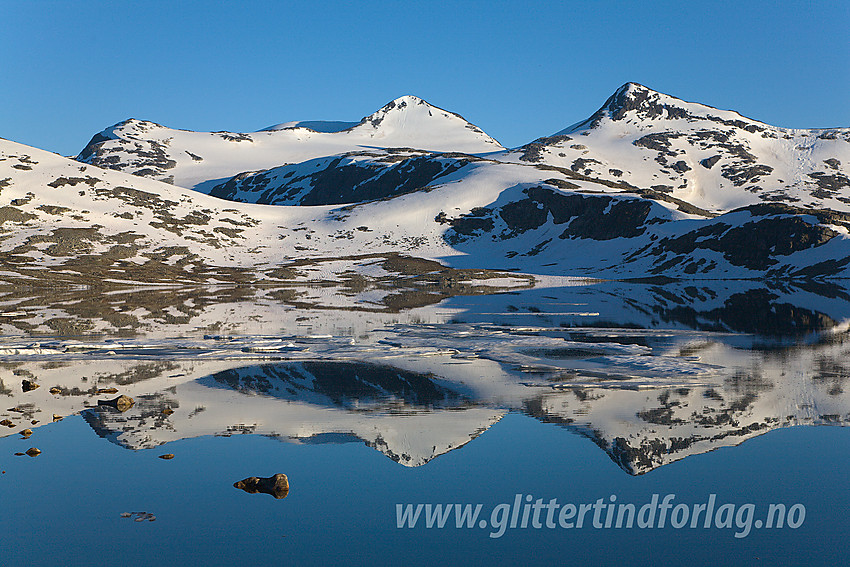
<point x="517" y="70"/>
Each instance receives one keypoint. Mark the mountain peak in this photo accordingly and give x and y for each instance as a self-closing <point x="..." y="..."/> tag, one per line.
<point x="401" y="105"/>
<point x="413" y="117"/>
<point x="634" y="100"/>
<point x="642" y="100"/>
<point x="405" y="100"/>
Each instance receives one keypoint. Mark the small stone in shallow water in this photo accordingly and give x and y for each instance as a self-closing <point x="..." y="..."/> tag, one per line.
<point x="26" y="432"/>
<point x="28" y="386"/>
<point x="139" y="516"/>
<point x="122" y="403"/>
<point x="276" y="485"/>
<point x="33" y="452"/>
<point x="167" y="456"/>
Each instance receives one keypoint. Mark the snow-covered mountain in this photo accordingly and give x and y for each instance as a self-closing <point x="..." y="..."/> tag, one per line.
<point x="334" y="180"/>
<point x="187" y="159"/>
<point x="714" y="159"/>
<point x="639" y="140"/>
<point x="77" y="223"/>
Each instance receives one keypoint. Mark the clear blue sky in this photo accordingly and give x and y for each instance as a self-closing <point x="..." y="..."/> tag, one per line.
<point x="517" y="70"/>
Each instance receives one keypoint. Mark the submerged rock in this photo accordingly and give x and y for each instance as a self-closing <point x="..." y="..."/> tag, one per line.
<point x="167" y="456"/>
<point x="139" y="516"/>
<point x="33" y="452"/>
<point x="276" y="485"/>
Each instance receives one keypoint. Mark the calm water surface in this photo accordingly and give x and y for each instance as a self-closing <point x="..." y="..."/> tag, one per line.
<point x="574" y="394"/>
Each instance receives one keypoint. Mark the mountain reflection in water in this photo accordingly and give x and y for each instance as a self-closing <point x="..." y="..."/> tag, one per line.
<point x="650" y="373"/>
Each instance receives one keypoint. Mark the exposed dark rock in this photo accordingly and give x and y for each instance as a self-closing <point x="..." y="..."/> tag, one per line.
<point x="743" y="174"/>
<point x="753" y="244"/>
<point x="658" y="141"/>
<point x="338" y="181"/>
<point x="709" y="162"/>
<point x="121" y="403"/>
<point x="832" y="183"/>
<point x="532" y="152"/>
<point x="93" y="146"/>
<point x="28" y="386"/>
<point x="580" y="165"/>
<point x="72" y="181"/>
<point x="276" y="485"/>
<point x="680" y="167"/>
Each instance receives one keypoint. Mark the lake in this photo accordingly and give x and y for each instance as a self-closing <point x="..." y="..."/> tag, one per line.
<point x="602" y="423"/>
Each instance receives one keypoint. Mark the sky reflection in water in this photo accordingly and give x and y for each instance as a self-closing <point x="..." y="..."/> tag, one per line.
<point x="464" y="410"/>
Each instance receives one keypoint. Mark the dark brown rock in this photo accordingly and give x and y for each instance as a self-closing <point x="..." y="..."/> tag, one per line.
<point x="276" y="485"/>
<point x="28" y="386"/>
<point x="33" y="452"/>
<point x="167" y="456"/>
<point x="122" y="403"/>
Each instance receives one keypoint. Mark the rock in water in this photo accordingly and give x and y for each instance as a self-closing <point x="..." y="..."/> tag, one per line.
<point x="167" y="456"/>
<point x="122" y="403"/>
<point x="33" y="452"/>
<point x="28" y="386"/>
<point x="276" y="485"/>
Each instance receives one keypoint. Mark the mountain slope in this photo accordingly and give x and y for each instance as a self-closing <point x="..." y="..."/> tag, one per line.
<point x="187" y="158"/>
<point x="80" y="224"/>
<point x="714" y="159"/>
<point x="334" y="180"/>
